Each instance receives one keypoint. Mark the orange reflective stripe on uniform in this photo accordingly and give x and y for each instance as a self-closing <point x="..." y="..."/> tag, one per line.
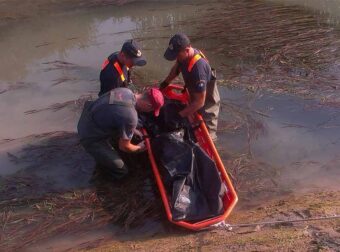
<point x="193" y="61"/>
<point x="105" y="63"/>
<point x="119" y="69"/>
<point x="203" y="56"/>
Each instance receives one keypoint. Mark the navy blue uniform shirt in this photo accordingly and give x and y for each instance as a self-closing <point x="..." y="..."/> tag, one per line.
<point x="121" y="119"/>
<point x="197" y="80"/>
<point x="109" y="76"/>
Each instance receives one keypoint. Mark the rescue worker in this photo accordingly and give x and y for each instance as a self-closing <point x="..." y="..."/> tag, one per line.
<point x="199" y="78"/>
<point x="107" y="126"/>
<point x="116" y="68"/>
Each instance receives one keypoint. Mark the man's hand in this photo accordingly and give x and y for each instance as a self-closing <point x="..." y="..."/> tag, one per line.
<point x="197" y="102"/>
<point x="142" y="146"/>
<point x="126" y="146"/>
<point x="138" y="133"/>
<point x="174" y="72"/>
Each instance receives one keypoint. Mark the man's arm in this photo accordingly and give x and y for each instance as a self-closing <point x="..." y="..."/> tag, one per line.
<point x="126" y="146"/>
<point x="174" y="72"/>
<point x="126" y="133"/>
<point x="197" y="102"/>
<point x="197" y="91"/>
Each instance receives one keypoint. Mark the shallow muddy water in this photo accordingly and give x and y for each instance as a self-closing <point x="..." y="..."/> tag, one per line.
<point x="300" y="139"/>
<point x="272" y="142"/>
<point x="331" y="7"/>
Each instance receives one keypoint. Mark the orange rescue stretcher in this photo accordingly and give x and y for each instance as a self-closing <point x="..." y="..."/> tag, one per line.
<point x="175" y="92"/>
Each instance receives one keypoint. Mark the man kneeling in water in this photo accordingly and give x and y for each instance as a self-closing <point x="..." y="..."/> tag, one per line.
<point x="107" y="125"/>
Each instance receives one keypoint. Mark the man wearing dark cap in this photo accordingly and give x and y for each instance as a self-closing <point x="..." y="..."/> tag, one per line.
<point x="199" y="78"/>
<point x="108" y="124"/>
<point x="115" y="69"/>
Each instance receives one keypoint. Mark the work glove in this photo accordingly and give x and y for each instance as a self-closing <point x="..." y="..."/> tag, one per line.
<point x="142" y="146"/>
<point x="163" y="85"/>
<point x="137" y="136"/>
<point x="138" y="133"/>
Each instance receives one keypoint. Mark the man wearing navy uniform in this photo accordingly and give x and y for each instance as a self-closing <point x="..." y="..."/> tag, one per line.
<point x="199" y="78"/>
<point x="107" y="125"/>
<point x="115" y="69"/>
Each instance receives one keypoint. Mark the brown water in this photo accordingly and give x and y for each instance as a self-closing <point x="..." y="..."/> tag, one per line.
<point x="291" y="144"/>
<point x="329" y="7"/>
<point x="56" y="58"/>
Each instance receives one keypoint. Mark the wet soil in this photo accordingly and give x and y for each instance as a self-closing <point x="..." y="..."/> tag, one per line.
<point x="306" y="236"/>
<point x="278" y="132"/>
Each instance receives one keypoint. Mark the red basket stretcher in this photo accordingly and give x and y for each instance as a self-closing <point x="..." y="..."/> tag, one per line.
<point x="175" y="92"/>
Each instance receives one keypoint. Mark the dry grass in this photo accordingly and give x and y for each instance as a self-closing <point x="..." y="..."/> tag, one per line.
<point x="33" y="207"/>
<point x="281" y="48"/>
<point x="26" y="220"/>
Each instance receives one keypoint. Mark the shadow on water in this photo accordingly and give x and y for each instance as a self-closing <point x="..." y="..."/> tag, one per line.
<point x="58" y="195"/>
<point x="51" y="162"/>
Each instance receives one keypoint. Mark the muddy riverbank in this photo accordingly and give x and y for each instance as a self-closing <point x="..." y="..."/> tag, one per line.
<point x="278" y="70"/>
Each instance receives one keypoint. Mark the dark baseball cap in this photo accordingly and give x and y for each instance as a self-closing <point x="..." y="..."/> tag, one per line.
<point x="177" y="43"/>
<point x="132" y="50"/>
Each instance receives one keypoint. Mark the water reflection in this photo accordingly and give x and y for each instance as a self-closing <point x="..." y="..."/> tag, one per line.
<point x="34" y="54"/>
<point x="298" y="138"/>
<point x="56" y="59"/>
<point x="331" y="7"/>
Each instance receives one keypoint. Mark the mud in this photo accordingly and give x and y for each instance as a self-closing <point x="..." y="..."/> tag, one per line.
<point x="305" y="236"/>
<point x="278" y="132"/>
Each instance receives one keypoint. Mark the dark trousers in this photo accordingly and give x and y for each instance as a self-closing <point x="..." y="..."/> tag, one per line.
<point x="211" y="108"/>
<point x="107" y="158"/>
<point x="210" y="117"/>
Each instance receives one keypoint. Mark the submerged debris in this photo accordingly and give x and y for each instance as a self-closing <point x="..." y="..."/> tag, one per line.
<point x="56" y="194"/>
<point x="272" y="46"/>
<point x="75" y="212"/>
<point x="9" y="86"/>
<point x="75" y="105"/>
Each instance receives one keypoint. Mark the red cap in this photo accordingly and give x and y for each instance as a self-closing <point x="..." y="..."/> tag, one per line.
<point x="157" y="99"/>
